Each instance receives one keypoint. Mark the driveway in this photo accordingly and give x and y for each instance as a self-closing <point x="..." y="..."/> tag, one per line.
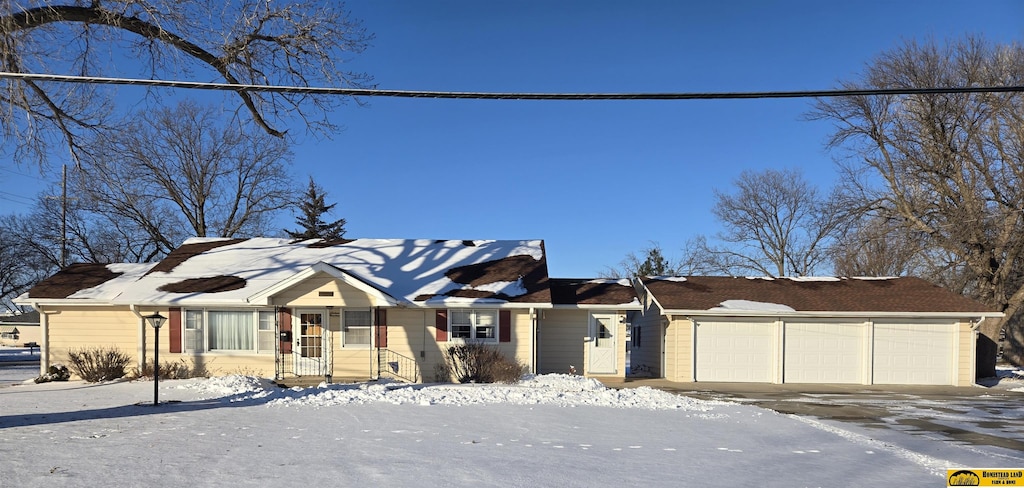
<point x="971" y="415"/>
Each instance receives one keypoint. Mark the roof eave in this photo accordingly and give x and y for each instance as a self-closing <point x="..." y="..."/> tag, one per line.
<point x="63" y="302"/>
<point x="827" y="314"/>
<point x="597" y="306"/>
<point x="480" y="304"/>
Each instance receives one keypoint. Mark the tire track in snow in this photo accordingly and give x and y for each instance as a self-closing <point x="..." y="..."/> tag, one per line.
<point x="934" y="465"/>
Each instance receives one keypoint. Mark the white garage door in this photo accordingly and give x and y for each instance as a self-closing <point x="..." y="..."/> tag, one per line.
<point x="734" y="351"/>
<point x="914" y="353"/>
<point x="824" y="353"/>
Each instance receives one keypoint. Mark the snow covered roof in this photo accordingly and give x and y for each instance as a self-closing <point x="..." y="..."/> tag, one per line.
<point x="87" y="281"/>
<point x="242" y="271"/>
<point x="582" y="292"/>
<point x="781" y="295"/>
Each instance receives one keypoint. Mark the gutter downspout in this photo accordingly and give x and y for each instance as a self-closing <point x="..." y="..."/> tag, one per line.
<point x="141" y="352"/>
<point x="534" y="324"/>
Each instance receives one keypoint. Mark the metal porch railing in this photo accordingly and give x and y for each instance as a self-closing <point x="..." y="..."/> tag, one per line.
<point x="390" y="364"/>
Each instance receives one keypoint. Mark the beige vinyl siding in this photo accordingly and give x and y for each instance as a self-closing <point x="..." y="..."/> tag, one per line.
<point x="349" y="363"/>
<point x="224" y="364"/>
<point x="118" y="327"/>
<point x="679" y="349"/>
<point x="620" y="344"/>
<point x="307" y="294"/>
<point x="561" y="340"/>
<point x="519" y="346"/>
<point x="92" y="327"/>
<point x="522" y="337"/>
<point x="411" y="334"/>
<point x="965" y="359"/>
<point x="353" y="365"/>
<point x="216" y="363"/>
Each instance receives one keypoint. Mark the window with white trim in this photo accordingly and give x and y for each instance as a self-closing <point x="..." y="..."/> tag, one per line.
<point x="229" y="330"/>
<point x="481" y="325"/>
<point x="356" y="328"/>
<point x="265" y="333"/>
<point x="194" y="337"/>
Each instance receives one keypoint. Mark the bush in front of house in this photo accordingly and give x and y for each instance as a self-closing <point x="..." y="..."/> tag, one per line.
<point x="56" y="372"/>
<point x="98" y="364"/>
<point x="178" y="370"/>
<point x="480" y="363"/>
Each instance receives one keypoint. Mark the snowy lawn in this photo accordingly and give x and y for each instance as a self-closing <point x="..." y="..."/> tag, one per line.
<point x="552" y="430"/>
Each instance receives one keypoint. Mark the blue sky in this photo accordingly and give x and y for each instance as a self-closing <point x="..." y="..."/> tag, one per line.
<point x="595" y="180"/>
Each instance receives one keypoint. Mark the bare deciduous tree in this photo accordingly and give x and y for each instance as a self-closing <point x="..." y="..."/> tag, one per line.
<point x="947" y="166"/>
<point x="262" y="42"/>
<point x="876" y="246"/>
<point x="184" y="172"/>
<point x="20" y="266"/>
<point x="776" y="224"/>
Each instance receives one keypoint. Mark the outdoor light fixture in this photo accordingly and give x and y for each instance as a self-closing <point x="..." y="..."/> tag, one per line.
<point x="156" y="320"/>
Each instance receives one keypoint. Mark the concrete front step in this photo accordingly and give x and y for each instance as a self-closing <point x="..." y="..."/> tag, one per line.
<point x="312" y="381"/>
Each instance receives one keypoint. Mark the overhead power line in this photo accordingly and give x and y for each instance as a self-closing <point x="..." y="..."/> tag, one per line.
<point x="372" y="92"/>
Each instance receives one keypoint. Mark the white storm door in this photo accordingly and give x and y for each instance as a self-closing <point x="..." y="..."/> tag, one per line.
<point x="824" y="353"/>
<point x="310" y="351"/>
<point x="602" y="344"/>
<point x="914" y="353"/>
<point x="735" y="351"/>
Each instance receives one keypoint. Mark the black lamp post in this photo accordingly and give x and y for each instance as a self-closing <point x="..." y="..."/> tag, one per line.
<point x="156" y="320"/>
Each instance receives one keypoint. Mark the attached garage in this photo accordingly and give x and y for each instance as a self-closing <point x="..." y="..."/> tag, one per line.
<point x="914" y="353"/>
<point x="749" y="349"/>
<point x="824" y="352"/>
<point x="729" y="350"/>
<point x="896" y="331"/>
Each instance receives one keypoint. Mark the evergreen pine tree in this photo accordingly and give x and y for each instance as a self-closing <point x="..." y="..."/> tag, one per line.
<point x="310" y="220"/>
<point x="655" y="264"/>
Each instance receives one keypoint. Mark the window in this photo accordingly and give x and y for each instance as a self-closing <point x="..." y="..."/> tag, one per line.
<point x="357" y="328"/>
<point x="267" y="336"/>
<point x="474" y="324"/>
<point x="195" y="340"/>
<point x="229" y="331"/>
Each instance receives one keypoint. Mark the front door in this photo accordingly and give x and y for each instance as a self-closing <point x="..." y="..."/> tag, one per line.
<point x="311" y="349"/>
<point x="602" y="344"/>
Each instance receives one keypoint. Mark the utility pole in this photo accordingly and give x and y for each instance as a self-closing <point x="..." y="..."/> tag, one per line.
<point x="64" y="216"/>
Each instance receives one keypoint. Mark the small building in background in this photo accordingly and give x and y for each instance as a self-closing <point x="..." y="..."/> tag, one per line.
<point x="20" y="329"/>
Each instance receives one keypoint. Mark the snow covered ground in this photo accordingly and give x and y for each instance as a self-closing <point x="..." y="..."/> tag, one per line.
<point x="551" y="430"/>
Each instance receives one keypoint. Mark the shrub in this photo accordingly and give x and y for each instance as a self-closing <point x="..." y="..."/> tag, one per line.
<point x="442" y="374"/>
<point x="56" y="372"/>
<point x="479" y="363"/>
<point x="99" y="364"/>
<point x="178" y="370"/>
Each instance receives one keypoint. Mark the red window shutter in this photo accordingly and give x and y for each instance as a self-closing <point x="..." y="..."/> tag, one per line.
<point x="504" y="326"/>
<point x="382" y="327"/>
<point x="174" y="328"/>
<point x="441" y="324"/>
<point x="284" y="321"/>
